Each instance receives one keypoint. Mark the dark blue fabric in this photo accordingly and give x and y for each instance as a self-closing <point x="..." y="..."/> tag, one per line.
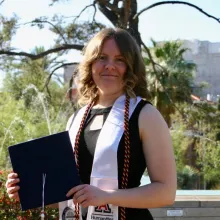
<point x="52" y="155"/>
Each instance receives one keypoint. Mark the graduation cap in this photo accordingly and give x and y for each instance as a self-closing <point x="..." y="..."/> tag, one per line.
<point x="51" y="155"/>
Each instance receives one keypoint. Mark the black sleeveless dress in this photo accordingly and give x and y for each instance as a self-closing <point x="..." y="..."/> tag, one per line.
<point x="87" y="145"/>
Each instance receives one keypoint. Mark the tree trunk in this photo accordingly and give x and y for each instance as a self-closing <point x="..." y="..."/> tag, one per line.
<point x="122" y="17"/>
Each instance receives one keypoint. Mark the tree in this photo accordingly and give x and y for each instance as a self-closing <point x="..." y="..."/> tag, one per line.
<point x="72" y="36"/>
<point x="196" y="145"/>
<point x="121" y="13"/>
<point x="170" y="81"/>
<point x="26" y="111"/>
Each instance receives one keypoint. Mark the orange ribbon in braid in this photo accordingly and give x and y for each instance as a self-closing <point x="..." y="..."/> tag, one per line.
<point x="76" y="150"/>
<point x="127" y="153"/>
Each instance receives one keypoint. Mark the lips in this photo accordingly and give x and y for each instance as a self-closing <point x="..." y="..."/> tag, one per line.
<point x="109" y="75"/>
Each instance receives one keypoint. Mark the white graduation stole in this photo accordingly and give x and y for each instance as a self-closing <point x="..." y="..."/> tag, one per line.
<point x="105" y="165"/>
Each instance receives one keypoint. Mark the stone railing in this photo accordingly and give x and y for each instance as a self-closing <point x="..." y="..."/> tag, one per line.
<point x="190" y="207"/>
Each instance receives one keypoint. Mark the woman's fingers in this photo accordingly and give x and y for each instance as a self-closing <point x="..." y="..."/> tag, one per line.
<point x="11" y="186"/>
<point x="82" y="198"/>
<point x="75" y="189"/>
<point x="12" y="179"/>
<point x="10" y="182"/>
<point x="12" y="175"/>
<point x="12" y="190"/>
<point x="78" y="194"/>
<point x="14" y="196"/>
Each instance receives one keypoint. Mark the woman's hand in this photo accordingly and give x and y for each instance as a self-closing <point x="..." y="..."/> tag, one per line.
<point x="11" y="186"/>
<point x="87" y="195"/>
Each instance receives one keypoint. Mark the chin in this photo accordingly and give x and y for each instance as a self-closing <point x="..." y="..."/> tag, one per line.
<point x="111" y="92"/>
<point x="110" y="89"/>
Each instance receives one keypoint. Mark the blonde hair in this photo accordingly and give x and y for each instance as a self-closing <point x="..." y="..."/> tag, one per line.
<point x="135" y="83"/>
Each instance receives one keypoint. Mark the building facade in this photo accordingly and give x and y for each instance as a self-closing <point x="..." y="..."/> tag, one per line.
<point x="206" y="55"/>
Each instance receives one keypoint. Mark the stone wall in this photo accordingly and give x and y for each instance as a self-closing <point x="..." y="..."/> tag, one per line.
<point x="206" y="55"/>
<point x="190" y="208"/>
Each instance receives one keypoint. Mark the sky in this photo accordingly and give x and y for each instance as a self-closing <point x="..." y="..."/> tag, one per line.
<point x="166" y="22"/>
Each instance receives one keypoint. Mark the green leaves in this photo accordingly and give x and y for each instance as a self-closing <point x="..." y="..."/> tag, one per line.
<point x="194" y="140"/>
<point x="27" y="112"/>
<point x="7" y="30"/>
<point x="172" y="82"/>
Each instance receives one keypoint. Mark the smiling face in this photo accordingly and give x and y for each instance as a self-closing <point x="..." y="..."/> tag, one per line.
<point x="108" y="69"/>
<point x="112" y="64"/>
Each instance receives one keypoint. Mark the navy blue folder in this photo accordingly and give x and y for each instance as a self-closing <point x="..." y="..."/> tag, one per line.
<point x="52" y="155"/>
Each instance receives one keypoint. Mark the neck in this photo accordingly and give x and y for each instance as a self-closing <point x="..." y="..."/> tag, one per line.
<point x="105" y="101"/>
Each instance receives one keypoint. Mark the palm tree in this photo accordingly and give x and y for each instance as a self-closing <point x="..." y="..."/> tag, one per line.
<point x="170" y="82"/>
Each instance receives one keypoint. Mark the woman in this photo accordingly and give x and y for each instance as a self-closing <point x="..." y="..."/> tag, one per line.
<point x="115" y="136"/>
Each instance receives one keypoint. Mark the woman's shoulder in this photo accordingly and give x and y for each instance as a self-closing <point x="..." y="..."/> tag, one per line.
<point x="150" y="117"/>
<point x="148" y="108"/>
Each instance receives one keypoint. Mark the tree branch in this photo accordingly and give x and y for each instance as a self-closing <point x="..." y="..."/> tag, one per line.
<point x="95" y="10"/>
<point x="176" y="2"/>
<point x="48" y="91"/>
<point x="133" y="9"/>
<point x="48" y="22"/>
<point x="150" y="56"/>
<point x="110" y="15"/>
<point x="127" y="11"/>
<point x="49" y="77"/>
<point x="40" y="55"/>
<point x="58" y="78"/>
<point x="93" y="4"/>
<point x="115" y="3"/>
<point x="113" y="7"/>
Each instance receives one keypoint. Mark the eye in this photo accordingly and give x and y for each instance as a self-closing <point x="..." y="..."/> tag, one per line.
<point x="102" y="57"/>
<point x="120" y="59"/>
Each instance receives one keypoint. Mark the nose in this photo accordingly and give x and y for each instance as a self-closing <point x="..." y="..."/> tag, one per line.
<point x="110" y="65"/>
